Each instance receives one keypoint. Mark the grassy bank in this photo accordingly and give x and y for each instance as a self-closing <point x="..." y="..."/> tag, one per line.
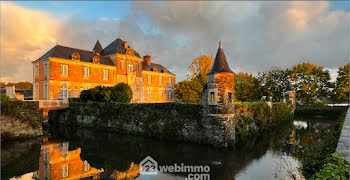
<point x="321" y="162"/>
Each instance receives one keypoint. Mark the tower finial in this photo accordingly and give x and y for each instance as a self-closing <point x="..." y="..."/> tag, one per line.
<point x="220" y="45"/>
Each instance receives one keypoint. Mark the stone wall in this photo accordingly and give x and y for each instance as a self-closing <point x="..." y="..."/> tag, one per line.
<point x="24" y="123"/>
<point x="185" y="122"/>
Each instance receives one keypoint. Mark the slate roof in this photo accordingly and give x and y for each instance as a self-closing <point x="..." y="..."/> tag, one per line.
<point x="98" y="48"/>
<point x="117" y="46"/>
<point x="64" y="52"/>
<point x="160" y="68"/>
<point x="220" y="62"/>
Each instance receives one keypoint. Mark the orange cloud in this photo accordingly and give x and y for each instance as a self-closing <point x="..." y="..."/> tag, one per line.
<point x="25" y="34"/>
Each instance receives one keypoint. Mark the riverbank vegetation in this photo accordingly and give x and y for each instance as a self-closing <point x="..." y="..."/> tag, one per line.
<point x="321" y="162"/>
<point x="9" y="107"/>
<point x="255" y="117"/>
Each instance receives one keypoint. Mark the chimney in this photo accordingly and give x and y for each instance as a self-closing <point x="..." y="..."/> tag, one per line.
<point x="147" y="59"/>
<point x="126" y="44"/>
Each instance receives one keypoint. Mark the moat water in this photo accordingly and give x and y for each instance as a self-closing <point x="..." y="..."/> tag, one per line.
<point x="275" y="154"/>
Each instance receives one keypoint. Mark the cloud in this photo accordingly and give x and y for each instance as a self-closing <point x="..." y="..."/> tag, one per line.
<point x="25" y="34"/>
<point x="255" y="35"/>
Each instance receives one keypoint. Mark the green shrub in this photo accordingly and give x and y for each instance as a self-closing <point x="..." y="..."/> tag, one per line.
<point x="315" y="159"/>
<point x="9" y="107"/>
<point x="337" y="168"/>
<point x="122" y="93"/>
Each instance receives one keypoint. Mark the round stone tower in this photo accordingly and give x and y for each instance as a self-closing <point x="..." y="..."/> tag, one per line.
<point x="218" y="94"/>
<point x="291" y="96"/>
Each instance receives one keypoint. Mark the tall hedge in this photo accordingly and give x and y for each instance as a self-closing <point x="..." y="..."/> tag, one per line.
<point x="122" y="93"/>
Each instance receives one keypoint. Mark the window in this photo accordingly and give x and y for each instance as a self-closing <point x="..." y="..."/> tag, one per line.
<point x="64" y="171"/>
<point x="64" y="70"/>
<point x="64" y="149"/>
<point x="36" y="91"/>
<point x="86" y="166"/>
<point x="86" y="72"/>
<point x="230" y="97"/>
<point x="137" y="67"/>
<point x="105" y="74"/>
<point x="149" y="93"/>
<point x="45" y="69"/>
<point x="212" y="97"/>
<point x="121" y="64"/>
<point x="45" y="90"/>
<point x="160" y="79"/>
<point x="170" y="94"/>
<point x="37" y="70"/>
<point x="149" y="78"/>
<point x="160" y="94"/>
<point x="64" y="92"/>
<point x="170" y="81"/>
<point x="130" y="67"/>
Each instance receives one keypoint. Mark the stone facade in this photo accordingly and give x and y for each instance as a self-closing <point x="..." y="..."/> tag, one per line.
<point x="64" y="72"/>
<point x="26" y="123"/>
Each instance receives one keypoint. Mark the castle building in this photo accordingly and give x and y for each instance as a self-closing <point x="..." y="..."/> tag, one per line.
<point x="63" y="72"/>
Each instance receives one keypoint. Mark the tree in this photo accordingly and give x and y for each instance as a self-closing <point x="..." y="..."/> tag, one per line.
<point x="189" y="91"/>
<point x="273" y="83"/>
<point x="122" y="93"/>
<point x="200" y="67"/>
<point x="24" y="85"/>
<point x="247" y="87"/>
<point x="311" y="82"/>
<point x="341" y="90"/>
<point x="19" y="85"/>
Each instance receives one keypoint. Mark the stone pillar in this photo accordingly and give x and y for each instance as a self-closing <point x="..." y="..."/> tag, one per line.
<point x="10" y="92"/>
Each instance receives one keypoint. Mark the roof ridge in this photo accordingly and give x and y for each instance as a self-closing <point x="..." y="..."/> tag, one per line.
<point x="74" y="48"/>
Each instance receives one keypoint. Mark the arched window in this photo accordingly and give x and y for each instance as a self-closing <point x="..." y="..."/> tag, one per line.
<point x="130" y="67"/>
<point x="64" y="92"/>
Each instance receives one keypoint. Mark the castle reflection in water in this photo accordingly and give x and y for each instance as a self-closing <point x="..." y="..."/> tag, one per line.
<point x="57" y="162"/>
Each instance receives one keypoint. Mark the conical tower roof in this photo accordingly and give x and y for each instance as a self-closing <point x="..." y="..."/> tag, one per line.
<point x="98" y="48"/>
<point x="220" y="64"/>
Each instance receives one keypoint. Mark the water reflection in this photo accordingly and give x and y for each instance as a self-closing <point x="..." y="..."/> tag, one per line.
<point x="57" y="162"/>
<point x="100" y="155"/>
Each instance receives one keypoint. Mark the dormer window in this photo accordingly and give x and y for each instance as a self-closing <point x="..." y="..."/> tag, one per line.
<point x="96" y="60"/>
<point x="130" y="52"/>
<point x="155" y="69"/>
<point x="165" y="70"/>
<point x="76" y="56"/>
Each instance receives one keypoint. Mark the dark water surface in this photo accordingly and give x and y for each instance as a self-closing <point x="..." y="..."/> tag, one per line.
<point x="275" y="154"/>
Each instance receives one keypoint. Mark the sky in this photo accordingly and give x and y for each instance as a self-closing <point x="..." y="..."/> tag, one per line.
<point x="255" y="35"/>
